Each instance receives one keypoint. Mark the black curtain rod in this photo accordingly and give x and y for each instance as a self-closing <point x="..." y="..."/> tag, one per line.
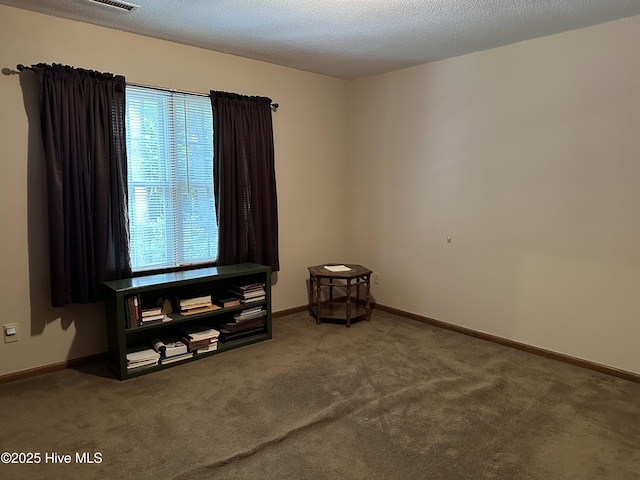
<point x="22" y="68"/>
<point x="274" y="106"/>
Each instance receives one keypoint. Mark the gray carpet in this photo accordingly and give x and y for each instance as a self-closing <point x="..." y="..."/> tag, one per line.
<point x="386" y="399"/>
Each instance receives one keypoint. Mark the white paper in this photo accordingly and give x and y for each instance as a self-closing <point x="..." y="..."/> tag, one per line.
<point x="337" y="268"/>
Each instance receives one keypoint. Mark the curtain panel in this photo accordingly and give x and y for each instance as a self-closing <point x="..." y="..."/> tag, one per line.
<point x="244" y="180"/>
<point x="83" y="131"/>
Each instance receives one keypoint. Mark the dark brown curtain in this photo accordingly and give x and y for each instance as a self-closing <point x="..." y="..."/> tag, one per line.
<point x="245" y="180"/>
<point x="82" y="120"/>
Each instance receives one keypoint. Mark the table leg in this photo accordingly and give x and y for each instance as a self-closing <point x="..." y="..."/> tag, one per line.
<point x="310" y="305"/>
<point x="318" y="301"/>
<point x="331" y="290"/>
<point x="367" y="304"/>
<point x="348" y="303"/>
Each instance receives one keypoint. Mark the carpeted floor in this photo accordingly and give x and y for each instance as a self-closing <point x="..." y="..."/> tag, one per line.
<point x="386" y="399"/>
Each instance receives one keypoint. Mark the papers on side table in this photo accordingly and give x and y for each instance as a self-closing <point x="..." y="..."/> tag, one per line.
<point x="337" y="268"/>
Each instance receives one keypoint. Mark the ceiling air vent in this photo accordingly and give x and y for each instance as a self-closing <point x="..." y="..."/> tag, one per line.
<point x="116" y="5"/>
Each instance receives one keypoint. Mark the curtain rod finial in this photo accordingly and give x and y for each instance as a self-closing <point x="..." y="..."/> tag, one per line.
<point x="23" y="68"/>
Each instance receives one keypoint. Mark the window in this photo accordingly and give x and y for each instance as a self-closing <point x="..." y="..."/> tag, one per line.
<point x="172" y="214"/>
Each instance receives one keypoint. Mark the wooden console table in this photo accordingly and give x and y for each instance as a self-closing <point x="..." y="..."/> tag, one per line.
<point x="341" y="308"/>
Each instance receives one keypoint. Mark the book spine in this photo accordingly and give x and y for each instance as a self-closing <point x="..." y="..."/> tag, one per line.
<point x="132" y="312"/>
<point x="136" y="302"/>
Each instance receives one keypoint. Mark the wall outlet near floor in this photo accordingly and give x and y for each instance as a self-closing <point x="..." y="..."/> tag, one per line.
<point x="10" y="331"/>
<point x="376" y="278"/>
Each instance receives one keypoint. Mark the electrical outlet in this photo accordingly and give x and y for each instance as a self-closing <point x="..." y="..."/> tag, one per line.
<point x="376" y="278"/>
<point x="10" y="331"/>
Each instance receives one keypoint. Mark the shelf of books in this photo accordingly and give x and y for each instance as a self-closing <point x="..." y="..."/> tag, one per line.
<point x="163" y="320"/>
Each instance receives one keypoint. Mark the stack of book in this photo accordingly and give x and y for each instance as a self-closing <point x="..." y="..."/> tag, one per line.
<point x="248" y="293"/>
<point x="249" y="314"/>
<point x="200" y="339"/>
<point x="153" y="315"/>
<point x="136" y="315"/>
<point x="142" y="358"/>
<point x="190" y="306"/>
<point x="229" y="302"/>
<point x="170" y="350"/>
<point x="245" y="323"/>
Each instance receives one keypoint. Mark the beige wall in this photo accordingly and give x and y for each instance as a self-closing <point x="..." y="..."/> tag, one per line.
<point x="529" y="157"/>
<point x="310" y="142"/>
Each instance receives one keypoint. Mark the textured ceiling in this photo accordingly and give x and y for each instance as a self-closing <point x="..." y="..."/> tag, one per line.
<point x="343" y="38"/>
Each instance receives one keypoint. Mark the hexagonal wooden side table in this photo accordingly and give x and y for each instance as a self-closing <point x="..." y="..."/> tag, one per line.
<point x="345" y="308"/>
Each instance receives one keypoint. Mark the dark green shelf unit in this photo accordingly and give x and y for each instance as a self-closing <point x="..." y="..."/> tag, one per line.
<point x="212" y="281"/>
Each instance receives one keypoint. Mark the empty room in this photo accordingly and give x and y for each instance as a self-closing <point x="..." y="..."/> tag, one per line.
<point x="323" y="239"/>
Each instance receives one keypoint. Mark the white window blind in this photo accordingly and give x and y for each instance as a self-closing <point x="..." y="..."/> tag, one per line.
<point x="172" y="213"/>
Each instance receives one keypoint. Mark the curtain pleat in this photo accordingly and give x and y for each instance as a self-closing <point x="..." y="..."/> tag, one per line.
<point x="82" y="122"/>
<point x="244" y="180"/>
